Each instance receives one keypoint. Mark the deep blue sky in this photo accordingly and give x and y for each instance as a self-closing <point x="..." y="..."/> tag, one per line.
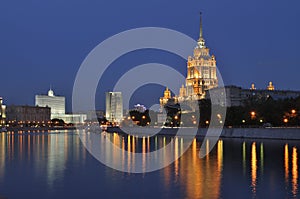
<point x="44" y="42"/>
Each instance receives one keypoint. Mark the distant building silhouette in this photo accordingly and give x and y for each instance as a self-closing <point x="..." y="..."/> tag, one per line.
<point x="237" y="96"/>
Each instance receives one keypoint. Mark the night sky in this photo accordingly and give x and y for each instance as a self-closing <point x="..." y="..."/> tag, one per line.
<point x="43" y="43"/>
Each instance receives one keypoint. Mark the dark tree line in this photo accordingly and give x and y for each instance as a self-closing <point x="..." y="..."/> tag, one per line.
<point x="140" y="118"/>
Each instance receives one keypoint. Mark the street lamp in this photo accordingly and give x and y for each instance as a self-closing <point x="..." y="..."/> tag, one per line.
<point x="253" y="115"/>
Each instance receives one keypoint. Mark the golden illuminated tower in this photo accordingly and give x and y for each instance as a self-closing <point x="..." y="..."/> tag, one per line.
<point x="167" y="95"/>
<point x="252" y="87"/>
<point x="201" y="75"/>
<point x="182" y="91"/>
<point x="271" y="87"/>
<point x="201" y="70"/>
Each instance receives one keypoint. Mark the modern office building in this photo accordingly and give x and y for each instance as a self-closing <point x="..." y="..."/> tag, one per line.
<point x="26" y="114"/>
<point x="114" y="107"/>
<point x="2" y="112"/>
<point x="57" y="103"/>
<point x="58" y="108"/>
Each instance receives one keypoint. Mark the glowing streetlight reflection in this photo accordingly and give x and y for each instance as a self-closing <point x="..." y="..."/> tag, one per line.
<point x="295" y="171"/>
<point x="253" y="168"/>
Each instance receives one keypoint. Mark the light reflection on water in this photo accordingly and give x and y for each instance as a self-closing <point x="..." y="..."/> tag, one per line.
<point x="295" y="172"/>
<point x="253" y="168"/>
<point x="226" y="172"/>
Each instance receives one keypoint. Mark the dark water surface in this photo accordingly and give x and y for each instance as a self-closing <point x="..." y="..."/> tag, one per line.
<point x="56" y="165"/>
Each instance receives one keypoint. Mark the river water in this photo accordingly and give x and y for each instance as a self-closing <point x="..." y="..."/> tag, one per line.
<point x="57" y="165"/>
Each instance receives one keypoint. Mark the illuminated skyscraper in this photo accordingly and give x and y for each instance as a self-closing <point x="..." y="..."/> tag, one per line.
<point x="114" y="107"/>
<point x="2" y="112"/>
<point x="201" y="70"/>
<point x="201" y="74"/>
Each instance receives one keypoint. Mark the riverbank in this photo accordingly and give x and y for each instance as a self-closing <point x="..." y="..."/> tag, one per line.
<point x="254" y="133"/>
<point x="9" y="129"/>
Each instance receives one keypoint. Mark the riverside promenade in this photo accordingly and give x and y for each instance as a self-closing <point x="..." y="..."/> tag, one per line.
<point x="283" y="133"/>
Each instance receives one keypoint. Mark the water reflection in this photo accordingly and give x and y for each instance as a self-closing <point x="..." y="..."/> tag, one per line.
<point x="244" y="157"/>
<point x="261" y="158"/>
<point x="253" y="168"/>
<point x="295" y="172"/>
<point x="220" y="156"/>
<point x="229" y="169"/>
<point x="202" y="177"/>
<point x="2" y="155"/>
<point x="46" y="153"/>
<point x="286" y="164"/>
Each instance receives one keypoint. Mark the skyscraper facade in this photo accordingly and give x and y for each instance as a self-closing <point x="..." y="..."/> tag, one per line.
<point x="201" y="74"/>
<point x="114" y="107"/>
<point x="2" y="112"/>
<point x="201" y="71"/>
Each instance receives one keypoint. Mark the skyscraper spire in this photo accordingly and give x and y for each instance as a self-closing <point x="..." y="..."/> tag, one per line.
<point x="201" y="41"/>
<point x="201" y="33"/>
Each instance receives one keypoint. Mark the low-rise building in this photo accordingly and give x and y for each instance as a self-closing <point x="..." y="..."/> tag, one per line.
<point x="95" y="114"/>
<point x="237" y="96"/>
<point x="70" y="118"/>
<point x="25" y="114"/>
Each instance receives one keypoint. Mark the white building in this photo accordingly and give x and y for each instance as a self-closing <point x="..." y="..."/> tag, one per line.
<point x="58" y="108"/>
<point x="114" y="107"/>
<point x="140" y="108"/>
<point x="56" y="103"/>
